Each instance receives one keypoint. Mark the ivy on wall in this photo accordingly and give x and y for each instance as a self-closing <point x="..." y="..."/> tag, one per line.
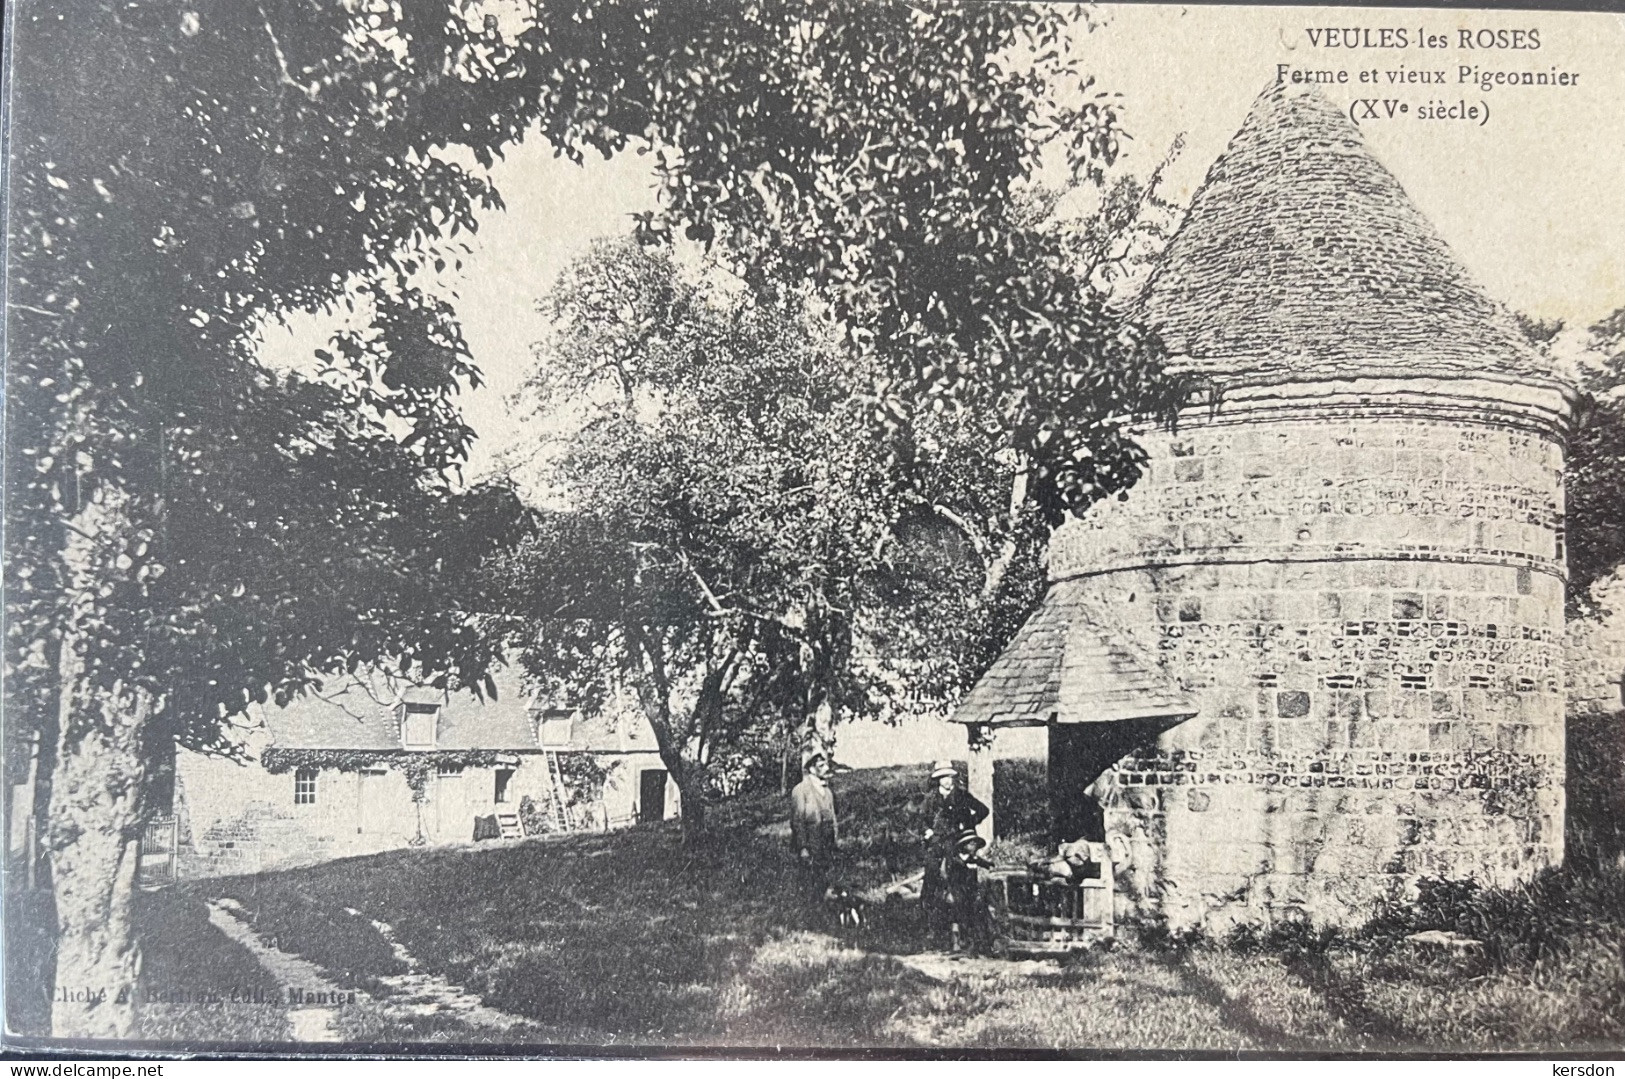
<point x="583" y="777"/>
<point x="416" y="766"/>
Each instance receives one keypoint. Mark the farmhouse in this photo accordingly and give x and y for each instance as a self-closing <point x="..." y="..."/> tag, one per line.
<point x="1316" y="653"/>
<point x="367" y="767"/>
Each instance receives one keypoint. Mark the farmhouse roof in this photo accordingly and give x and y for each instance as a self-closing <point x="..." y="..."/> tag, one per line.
<point x="1066" y="666"/>
<point x="358" y="715"/>
<point x="1303" y="257"/>
<point x="612" y="731"/>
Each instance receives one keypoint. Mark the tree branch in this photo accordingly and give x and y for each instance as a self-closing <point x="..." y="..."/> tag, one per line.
<point x="719" y="611"/>
<point x="286" y="78"/>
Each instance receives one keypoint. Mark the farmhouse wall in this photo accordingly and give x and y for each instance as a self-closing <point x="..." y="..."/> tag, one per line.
<point x="622" y="776"/>
<point x="241" y="818"/>
<point x="1362" y="586"/>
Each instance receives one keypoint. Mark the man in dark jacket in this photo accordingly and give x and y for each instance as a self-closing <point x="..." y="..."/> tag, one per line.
<point x="949" y="811"/>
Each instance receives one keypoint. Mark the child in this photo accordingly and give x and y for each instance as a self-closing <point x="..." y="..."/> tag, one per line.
<point x="962" y="894"/>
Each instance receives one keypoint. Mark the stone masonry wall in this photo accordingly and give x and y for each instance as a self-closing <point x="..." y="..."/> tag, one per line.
<point x="1367" y="603"/>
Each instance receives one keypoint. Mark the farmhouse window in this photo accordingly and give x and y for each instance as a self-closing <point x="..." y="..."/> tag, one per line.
<point x="504" y="776"/>
<point x="555" y="727"/>
<point x="418" y="723"/>
<point x="304" y="787"/>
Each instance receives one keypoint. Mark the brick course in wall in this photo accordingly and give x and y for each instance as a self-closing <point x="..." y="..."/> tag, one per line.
<point x="261" y="837"/>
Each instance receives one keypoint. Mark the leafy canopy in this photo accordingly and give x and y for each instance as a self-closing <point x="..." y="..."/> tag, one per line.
<point x="192" y="175"/>
<point x="1594" y="486"/>
<point x="717" y="506"/>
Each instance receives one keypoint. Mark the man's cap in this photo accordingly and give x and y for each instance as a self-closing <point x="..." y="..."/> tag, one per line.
<point x="814" y="755"/>
<point x="944" y="768"/>
<point x="969" y="838"/>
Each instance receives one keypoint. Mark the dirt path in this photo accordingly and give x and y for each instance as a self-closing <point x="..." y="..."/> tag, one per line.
<point x="300" y="980"/>
<point x="314" y="1001"/>
<point x="416" y="993"/>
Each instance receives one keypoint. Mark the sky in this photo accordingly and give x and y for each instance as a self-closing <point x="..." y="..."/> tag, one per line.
<point x="1531" y="201"/>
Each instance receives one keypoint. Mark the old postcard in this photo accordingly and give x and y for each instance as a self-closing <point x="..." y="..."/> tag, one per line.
<point x="814" y="525"/>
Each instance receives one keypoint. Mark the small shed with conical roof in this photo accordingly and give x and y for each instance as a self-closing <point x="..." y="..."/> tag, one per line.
<point x="1094" y="690"/>
<point x="1317" y="649"/>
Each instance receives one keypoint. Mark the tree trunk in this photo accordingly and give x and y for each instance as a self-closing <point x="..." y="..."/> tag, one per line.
<point x="1000" y="565"/>
<point x="673" y="738"/>
<point x="95" y="815"/>
<point x="690" y="779"/>
<point x="692" y="788"/>
<point x="95" y="834"/>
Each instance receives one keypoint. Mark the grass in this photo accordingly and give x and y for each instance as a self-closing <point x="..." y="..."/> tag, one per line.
<point x="182" y="955"/>
<point x="1551" y="971"/>
<point x="629" y="939"/>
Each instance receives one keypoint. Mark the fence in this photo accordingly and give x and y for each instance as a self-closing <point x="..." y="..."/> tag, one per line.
<point x="159" y="851"/>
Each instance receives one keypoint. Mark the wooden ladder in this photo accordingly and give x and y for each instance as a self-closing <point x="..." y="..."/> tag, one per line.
<point x="511" y="828"/>
<point x="556" y="791"/>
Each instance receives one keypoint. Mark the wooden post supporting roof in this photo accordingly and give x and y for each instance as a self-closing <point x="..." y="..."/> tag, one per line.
<point x="979" y="743"/>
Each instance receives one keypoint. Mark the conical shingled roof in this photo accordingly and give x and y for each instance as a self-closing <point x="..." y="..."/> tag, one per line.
<point x="1064" y="667"/>
<point x="1303" y="258"/>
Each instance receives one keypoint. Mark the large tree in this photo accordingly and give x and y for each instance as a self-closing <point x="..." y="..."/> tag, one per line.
<point x="728" y="533"/>
<point x="715" y="508"/>
<point x="188" y="531"/>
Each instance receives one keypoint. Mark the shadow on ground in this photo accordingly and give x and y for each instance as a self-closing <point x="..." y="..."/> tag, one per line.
<point x="630" y="939"/>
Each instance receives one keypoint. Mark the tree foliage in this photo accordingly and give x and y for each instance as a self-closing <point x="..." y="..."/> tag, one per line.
<point x="189" y="531"/>
<point x="193" y="178"/>
<point x="1594" y="488"/>
<point x="198" y="174"/>
<point x="737" y="540"/>
<point x="719" y="504"/>
<point x="885" y="152"/>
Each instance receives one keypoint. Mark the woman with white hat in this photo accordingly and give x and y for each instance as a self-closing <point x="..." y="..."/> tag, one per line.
<point x="949" y="811"/>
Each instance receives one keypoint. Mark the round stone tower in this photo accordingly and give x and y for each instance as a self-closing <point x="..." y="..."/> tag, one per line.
<point x="1353" y="565"/>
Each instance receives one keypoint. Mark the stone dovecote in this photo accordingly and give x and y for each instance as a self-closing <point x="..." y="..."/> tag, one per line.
<point x="1352" y="567"/>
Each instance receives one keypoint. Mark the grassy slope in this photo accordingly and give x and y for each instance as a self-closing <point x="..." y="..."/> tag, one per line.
<point x="630" y="939"/>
